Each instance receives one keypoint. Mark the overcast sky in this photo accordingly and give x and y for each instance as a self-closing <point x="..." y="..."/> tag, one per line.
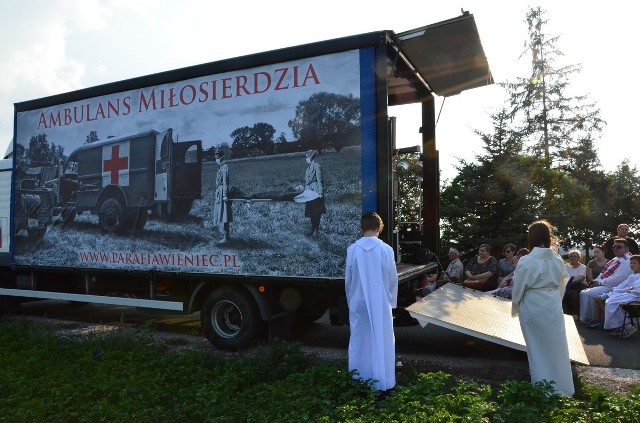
<point x="51" y="47"/>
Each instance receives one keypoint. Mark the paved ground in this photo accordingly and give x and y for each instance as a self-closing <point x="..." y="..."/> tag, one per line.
<point x="602" y="349"/>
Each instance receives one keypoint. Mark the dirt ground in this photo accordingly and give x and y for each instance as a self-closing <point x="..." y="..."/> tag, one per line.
<point x="491" y="372"/>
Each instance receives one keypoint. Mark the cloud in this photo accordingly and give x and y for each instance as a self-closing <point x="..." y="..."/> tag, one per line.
<point x="34" y="60"/>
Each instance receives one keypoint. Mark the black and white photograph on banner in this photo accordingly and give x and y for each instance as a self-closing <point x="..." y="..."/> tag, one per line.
<point x="256" y="171"/>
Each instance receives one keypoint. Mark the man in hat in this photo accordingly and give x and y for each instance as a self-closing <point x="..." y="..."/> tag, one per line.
<point x="314" y="181"/>
<point x="222" y="214"/>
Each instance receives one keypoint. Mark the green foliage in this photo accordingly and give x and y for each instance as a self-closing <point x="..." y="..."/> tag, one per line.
<point x="539" y="162"/>
<point x="123" y="376"/>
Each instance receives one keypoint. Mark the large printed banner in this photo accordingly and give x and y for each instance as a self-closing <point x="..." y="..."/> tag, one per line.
<point x="114" y="174"/>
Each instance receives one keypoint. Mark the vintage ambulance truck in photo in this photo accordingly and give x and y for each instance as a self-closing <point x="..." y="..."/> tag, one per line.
<point x="112" y="194"/>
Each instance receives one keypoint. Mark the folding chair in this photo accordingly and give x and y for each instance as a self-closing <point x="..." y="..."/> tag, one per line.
<point x="631" y="312"/>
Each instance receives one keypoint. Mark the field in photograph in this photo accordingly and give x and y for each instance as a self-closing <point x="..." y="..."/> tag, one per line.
<point x="267" y="237"/>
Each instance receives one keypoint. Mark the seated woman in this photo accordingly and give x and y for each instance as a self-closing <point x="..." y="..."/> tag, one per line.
<point x="506" y="285"/>
<point x="482" y="270"/>
<point x="577" y="282"/>
<point x="595" y="265"/>
<point x="507" y="264"/>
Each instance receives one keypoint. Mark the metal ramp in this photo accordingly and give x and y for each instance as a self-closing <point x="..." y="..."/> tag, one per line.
<point x="483" y="316"/>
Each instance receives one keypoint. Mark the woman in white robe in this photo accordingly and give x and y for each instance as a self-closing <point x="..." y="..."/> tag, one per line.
<point x="371" y="284"/>
<point x="540" y="281"/>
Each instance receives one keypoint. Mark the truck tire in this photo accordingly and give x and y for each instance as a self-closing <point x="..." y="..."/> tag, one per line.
<point x="230" y="319"/>
<point x="111" y="216"/>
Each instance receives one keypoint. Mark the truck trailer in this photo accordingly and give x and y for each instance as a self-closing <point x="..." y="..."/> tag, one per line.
<point x="103" y="200"/>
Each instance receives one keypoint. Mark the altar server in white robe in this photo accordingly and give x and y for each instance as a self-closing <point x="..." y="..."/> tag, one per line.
<point x="371" y="283"/>
<point x="540" y="280"/>
<point x="628" y="291"/>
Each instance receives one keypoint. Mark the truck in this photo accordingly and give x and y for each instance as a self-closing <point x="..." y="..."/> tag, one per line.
<point x="102" y="201"/>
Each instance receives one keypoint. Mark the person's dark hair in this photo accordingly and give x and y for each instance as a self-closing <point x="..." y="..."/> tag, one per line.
<point x="540" y="234"/>
<point x="599" y="247"/>
<point x="523" y="252"/>
<point x="636" y="258"/>
<point x="511" y="247"/>
<point x="487" y="247"/>
<point x="370" y="221"/>
<point x="621" y="241"/>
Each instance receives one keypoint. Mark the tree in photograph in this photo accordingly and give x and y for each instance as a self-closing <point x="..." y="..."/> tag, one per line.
<point x="92" y="137"/>
<point x="327" y="120"/>
<point x="253" y="141"/>
<point x="241" y="144"/>
<point x="41" y="153"/>
<point x="262" y="138"/>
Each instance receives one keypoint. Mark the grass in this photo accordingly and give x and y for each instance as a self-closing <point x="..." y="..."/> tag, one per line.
<point x="122" y="376"/>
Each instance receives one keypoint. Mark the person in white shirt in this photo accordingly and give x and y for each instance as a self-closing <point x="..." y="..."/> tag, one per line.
<point x="540" y="280"/>
<point x="628" y="291"/>
<point x="371" y="284"/>
<point x="613" y="273"/>
<point x="577" y="282"/>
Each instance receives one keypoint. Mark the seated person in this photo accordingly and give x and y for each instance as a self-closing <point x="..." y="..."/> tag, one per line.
<point x="506" y="285"/>
<point x="507" y="265"/>
<point x="452" y="274"/>
<point x="595" y="265"/>
<point x="577" y="282"/>
<point x="628" y="291"/>
<point x="482" y="270"/>
<point x="613" y="273"/>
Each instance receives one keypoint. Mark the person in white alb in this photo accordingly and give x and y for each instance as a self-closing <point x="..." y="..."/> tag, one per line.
<point x="371" y="284"/>
<point x="613" y="273"/>
<point x="540" y="281"/>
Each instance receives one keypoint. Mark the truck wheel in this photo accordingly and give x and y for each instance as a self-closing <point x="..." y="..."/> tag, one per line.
<point x="111" y="216"/>
<point x="230" y="319"/>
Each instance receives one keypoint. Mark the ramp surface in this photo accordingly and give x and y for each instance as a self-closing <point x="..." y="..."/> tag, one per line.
<point x="483" y="316"/>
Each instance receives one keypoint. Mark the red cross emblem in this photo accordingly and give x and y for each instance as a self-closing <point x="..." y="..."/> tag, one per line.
<point x="115" y="164"/>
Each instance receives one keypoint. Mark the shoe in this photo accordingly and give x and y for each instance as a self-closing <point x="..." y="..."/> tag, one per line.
<point x="626" y="333"/>
<point x="616" y="332"/>
<point x="596" y="324"/>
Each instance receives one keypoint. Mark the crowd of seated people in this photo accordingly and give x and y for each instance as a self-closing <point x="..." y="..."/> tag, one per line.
<point x="482" y="272"/>
<point x="594" y="291"/>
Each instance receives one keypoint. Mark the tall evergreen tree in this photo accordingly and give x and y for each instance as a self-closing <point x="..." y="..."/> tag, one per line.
<point x="491" y="201"/>
<point x="555" y="125"/>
